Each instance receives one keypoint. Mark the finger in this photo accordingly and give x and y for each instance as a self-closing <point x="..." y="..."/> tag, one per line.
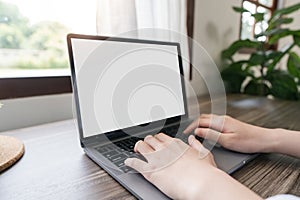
<point x="137" y="164"/>
<point x="196" y="122"/>
<point x="192" y="126"/>
<point x="210" y="134"/>
<point x="142" y="147"/>
<point x="194" y="143"/>
<point x="163" y="137"/>
<point x="207" y="115"/>
<point x="153" y="142"/>
<point x="214" y="122"/>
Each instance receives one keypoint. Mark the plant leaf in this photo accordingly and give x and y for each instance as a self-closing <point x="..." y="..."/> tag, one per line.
<point x="255" y="88"/>
<point x="239" y="9"/>
<point x="270" y="54"/>
<point x="276" y="60"/>
<point x="280" y="34"/>
<point x="283" y="85"/>
<point x="293" y="64"/>
<point x="276" y="23"/>
<point x="284" y="33"/>
<point x="234" y="47"/>
<point x="234" y="76"/>
<point x="258" y="16"/>
<point x="257" y="58"/>
<point x="285" y="11"/>
<point x="268" y="33"/>
<point x="297" y="40"/>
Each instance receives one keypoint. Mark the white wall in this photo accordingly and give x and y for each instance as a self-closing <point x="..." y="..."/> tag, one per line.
<point x="216" y="25"/>
<point x="23" y="112"/>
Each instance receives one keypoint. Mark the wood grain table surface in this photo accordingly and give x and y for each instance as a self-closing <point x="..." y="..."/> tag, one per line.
<point x="55" y="167"/>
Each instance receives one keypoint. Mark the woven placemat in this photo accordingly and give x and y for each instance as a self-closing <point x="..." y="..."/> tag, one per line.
<point x="11" y="150"/>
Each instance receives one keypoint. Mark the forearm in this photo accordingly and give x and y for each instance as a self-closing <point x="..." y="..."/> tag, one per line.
<point x="220" y="185"/>
<point x="285" y="142"/>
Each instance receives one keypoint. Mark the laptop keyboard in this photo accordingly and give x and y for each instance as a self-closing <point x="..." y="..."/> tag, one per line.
<point x="119" y="151"/>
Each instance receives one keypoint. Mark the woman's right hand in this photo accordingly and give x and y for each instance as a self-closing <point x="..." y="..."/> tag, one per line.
<point x="233" y="134"/>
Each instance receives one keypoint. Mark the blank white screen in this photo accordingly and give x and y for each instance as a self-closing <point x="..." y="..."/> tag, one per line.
<point x="125" y="84"/>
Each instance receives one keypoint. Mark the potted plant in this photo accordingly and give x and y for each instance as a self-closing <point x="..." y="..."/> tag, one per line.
<point x="261" y="74"/>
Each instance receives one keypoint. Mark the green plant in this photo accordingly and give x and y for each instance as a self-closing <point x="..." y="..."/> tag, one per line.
<point x="261" y="74"/>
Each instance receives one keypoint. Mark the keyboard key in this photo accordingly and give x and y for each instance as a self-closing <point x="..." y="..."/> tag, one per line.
<point x="110" y="154"/>
<point x="116" y="158"/>
<point x="110" y="147"/>
<point x="126" y="169"/>
<point x="128" y="153"/>
<point x="101" y="149"/>
<point x="120" y="150"/>
<point x="120" y="163"/>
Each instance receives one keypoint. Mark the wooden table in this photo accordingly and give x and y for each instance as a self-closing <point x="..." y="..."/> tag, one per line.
<point x="55" y="167"/>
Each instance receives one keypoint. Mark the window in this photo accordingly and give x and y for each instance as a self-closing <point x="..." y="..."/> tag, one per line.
<point x="33" y="35"/>
<point x="249" y="27"/>
<point x="33" y="49"/>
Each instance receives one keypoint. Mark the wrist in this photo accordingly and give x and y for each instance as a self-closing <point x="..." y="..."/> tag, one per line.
<point x="273" y="140"/>
<point x="202" y="188"/>
<point x="222" y="186"/>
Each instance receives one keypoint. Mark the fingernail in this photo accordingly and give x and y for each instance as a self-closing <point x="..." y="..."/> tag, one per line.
<point x="191" y="138"/>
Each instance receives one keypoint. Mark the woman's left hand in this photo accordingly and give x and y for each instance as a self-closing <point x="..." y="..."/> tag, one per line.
<point x="177" y="169"/>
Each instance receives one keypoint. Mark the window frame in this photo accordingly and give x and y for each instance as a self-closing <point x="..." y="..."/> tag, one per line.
<point x="257" y="4"/>
<point x="34" y="86"/>
<point x="190" y="31"/>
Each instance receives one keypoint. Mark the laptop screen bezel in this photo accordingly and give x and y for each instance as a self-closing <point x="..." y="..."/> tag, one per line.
<point x="119" y="133"/>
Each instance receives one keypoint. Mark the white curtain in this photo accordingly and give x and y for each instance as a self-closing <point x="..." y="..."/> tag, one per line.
<point x="163" y="20"/>
<point x="115" y="17"/>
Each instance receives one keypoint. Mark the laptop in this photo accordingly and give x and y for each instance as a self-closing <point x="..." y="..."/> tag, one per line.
<point x="125" y="89"/>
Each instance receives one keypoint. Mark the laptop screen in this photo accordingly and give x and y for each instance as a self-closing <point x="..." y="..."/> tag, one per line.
<point x="122" y="84"/>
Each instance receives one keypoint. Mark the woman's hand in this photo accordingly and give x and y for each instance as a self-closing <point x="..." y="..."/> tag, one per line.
<point x="173" y="166"/>
<point x="233" y="134"/>
<point x="184" y="171"/>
